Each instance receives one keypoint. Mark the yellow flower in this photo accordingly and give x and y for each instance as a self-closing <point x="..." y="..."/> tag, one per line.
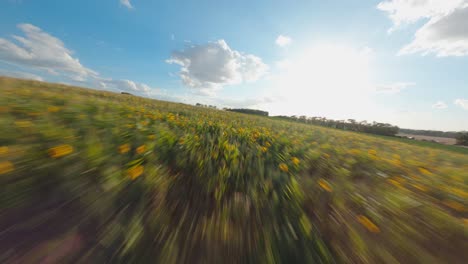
<point x="295" y="161"/>
<point x="264" y="149"/>
<point x="60" y="151"/>
<point x="372" y="152"/>
<point x="135" y="172"/>
<point x="394" y="182"/>
<point x="283" y="167"/>
<point x="3" y="150"/>
<point x="424" y="171"/>
<point x="141" y="149"/>
<point x="325" y="185"/>
<point x="124" y="148"/>
<point x="34" y="114"/>
<point x="6" y="167"/>
<point x="368" y="224"/>
<point x="4" y="109"/>
<point x="455" y="205"/>
<point x="23" y="123"/>
<point x="326" y="155"/>
<point x="355" y="151"/>
<point x="420" y="187"/>
<point x="53" y="109"/>
<point x="151" y="137"/>
<point x="457" y="192"/>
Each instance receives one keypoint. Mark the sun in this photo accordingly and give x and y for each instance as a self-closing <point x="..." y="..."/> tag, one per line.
<point x="325" y="79"/>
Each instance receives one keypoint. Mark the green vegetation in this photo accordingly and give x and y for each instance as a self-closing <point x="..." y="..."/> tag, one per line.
<point x="97" y="177"/>
<point x="249" y="111"/>
<point x="462" y="138"/>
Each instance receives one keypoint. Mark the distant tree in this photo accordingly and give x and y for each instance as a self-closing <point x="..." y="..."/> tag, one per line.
<point x="249" y="111"/>
<point x="350" y="124"/>
<point x="462" y="138"/>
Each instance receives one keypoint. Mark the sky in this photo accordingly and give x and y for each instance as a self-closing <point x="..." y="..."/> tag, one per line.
<point x="403" y="62"/>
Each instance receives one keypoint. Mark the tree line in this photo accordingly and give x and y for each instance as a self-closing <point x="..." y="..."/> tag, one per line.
<point x="462" y="138"/>
<point x="247" y="111"/>
<point x="350" y="125"/>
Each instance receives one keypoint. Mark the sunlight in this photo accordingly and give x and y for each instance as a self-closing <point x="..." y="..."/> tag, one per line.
<point x="324" y="79"/>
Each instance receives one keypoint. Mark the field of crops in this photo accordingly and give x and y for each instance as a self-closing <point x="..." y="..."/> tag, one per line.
<point x="94" y="177"/>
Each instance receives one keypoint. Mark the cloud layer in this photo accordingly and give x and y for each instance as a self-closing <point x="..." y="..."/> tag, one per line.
<point x="394" y="87"/>
<point x="38" y="50"/>
<point x="463" y="103"/>
<point x="41" y="51"/>
<point x="22" y="75"/>
<point x="283" y="41"/>
<point x="440" y="105"/>
<point x="445" y="32"/>
<point x="210" y="66"/>
<point x="124" y="85"/>
<point x="126" y="3"/>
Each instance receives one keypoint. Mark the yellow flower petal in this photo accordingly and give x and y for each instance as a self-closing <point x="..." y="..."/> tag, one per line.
<point x="60" y="151"/>
<point x="124" y="148"/>
<point x="6" y="167"/>
<point x="141" y="149"/>
<point x="368" y="224"/>
<point x="325" y="185"/>
<point x="135" y="172"/>
<point x="283" y="167"/>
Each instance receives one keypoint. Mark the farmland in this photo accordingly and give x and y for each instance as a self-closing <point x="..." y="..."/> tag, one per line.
<point x="442" y="140"/>
<point x="92" y="177"/>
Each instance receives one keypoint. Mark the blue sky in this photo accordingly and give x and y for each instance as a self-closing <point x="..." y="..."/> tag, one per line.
<point x="399" y="61"/>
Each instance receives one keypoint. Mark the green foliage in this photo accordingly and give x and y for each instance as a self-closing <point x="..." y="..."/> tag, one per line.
<point x="462" y="138"/>
<point x="248" y="111"/>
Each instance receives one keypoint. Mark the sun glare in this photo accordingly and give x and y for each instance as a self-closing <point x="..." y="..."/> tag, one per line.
<point x="324" y="78"/>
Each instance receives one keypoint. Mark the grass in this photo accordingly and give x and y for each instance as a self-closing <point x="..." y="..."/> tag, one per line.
<point x="94" y="176"/>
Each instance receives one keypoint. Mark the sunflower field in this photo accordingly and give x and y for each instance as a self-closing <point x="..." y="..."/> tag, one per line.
<point x="91" y="176"/>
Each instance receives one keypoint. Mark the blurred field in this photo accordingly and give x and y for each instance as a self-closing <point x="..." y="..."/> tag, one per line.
<point x="96" y="177"/>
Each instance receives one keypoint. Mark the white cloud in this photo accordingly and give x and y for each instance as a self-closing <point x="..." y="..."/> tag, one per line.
<point x="445" y="36"/>
<point x="394" y="87"/>
<point x="410" y="11"/>
<point x="283" y="41"/>
<point x="22" y="75"/>
<point x="126" y="3"/>
<point x="463" y="103"/>
<point x="209" y="67"/>
<point x="39" y="50"/>
<point x="440" y="105"/>
<point x="124" y="86"/>
<point x="444" y="33"/>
